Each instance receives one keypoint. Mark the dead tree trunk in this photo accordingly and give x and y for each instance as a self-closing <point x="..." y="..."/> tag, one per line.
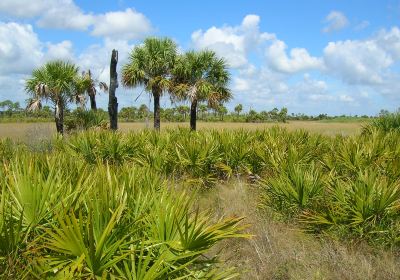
<point x="112" y="99"/>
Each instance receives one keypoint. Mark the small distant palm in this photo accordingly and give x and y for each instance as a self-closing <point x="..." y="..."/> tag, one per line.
<point x="56" y="81"/>
<point x="150" y="65"/>
<point x="85" y="84"/>
<point x="201" y="77"/>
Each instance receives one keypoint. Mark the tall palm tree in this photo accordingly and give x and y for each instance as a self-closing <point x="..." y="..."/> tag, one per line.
<point x="55" y="82"/>
<point x="201" y="77"/>
<point x="150" y="65"/>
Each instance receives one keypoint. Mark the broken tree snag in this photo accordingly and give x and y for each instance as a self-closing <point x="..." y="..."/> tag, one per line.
<point x="112" y="99"/>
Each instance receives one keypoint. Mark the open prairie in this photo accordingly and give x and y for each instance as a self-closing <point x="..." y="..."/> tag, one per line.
<point x="28" y="131"/>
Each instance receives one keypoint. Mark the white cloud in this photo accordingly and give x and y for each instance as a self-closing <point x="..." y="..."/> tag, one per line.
<point x="20" y="48"/>
<point x="129" y="24"/>
<point x="233" y="43"/>
<point x="63" y="51"/>
<point x="311" y="86"/>
<point x="97" y="57"/>
<point x="24" y="8"/>
<point x="65" y="14"/>
<point x="298" y="60"/>
<point x="335" y="20"/>
<point x="389" y="41"/>
<point x="240" y="84"/>
<point x="364" y="61"/>
<point x="60" y="14"/>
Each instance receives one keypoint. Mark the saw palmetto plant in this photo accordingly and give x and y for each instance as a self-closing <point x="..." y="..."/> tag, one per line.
<point x="109" y="205"/>
<point x="82" y="218"/>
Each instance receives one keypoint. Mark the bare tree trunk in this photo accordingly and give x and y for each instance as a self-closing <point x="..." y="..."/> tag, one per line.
<point x="59" y="117"/>
<point x="193" y="114"/>
<point x="112" y="99"/>
<point x="156" y="95"/>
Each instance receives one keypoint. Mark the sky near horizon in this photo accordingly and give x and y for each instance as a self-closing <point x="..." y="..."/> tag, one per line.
<point x="336" y="57"/>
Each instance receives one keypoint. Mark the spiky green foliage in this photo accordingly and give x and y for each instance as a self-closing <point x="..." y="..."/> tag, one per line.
<point x="103" y="204"/>
<point x="386" y="123"/>
<point x="67" y="217"/>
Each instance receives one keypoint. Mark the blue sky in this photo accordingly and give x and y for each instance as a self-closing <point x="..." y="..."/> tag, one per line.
<point x="336" y="57"/>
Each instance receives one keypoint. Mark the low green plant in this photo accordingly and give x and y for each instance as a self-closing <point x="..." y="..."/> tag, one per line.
<point x="83" y="120"/>
<point x="385" y="123"/>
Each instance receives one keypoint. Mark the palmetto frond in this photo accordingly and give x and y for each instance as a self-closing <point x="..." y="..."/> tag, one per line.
<point x="201" y="76"/>
<point x="34" y="105"/>
<point x="103" y="86"/>
<point x="53" y="81"/>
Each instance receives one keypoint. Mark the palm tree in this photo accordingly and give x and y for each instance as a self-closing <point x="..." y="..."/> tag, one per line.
<point x="150" y="65"/>
<point x="238" y="109"/>
<point x="55" y="82"/>
<point x="201" y="77"/>
<point x="90" y="85"/>
<point x="183" y="110"/>
<point x="203" y="109"/>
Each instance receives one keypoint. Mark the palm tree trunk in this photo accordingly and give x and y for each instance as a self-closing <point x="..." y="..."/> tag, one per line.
<point x="193" y="114"/>
<point x="93" y="104"/>
<point x="59" y="117"/>
<point x="156" y="96"/>
<point x="112" y="99"/>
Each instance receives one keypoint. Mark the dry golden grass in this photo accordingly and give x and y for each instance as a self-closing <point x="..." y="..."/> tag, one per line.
<point x="283" y="251"/>
<point x="25" y="131"/>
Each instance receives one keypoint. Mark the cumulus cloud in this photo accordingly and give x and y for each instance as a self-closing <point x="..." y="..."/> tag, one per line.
<point x="335" y="21"/>
<point x="298" y="60"/>
<point x="364" y="61"/>
<point x="312" y="86"/>
<point x="62" y="14"/>
<point x="20" y="48"/>
<point x="233" y="43"/>
<point x="24" y="8"/>
<point x="62" y="50"/>
<point x="65" y="14"/>
<point x="129" y="24"/>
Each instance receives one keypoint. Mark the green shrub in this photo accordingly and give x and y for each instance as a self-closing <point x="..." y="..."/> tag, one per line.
<point x="385" y="123"/>
<point x="83" y="120"/>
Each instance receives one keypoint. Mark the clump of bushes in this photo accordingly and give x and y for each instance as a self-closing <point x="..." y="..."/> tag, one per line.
<point x="97" y="185"/>
<point x="60" y="218"/>
<point x="82" y="120"/>
<point x="386" y="123"/>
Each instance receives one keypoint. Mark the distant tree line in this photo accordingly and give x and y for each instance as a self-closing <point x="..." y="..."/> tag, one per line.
<point x="179" y="113"/>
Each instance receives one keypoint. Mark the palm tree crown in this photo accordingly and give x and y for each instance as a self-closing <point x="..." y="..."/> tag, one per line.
<point x="150" y="66"/>
<point x="201" y="77"/>
<point x="56" y="81"/>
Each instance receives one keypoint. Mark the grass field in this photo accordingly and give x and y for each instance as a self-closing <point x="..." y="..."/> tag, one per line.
<point x="34" y="131"/>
